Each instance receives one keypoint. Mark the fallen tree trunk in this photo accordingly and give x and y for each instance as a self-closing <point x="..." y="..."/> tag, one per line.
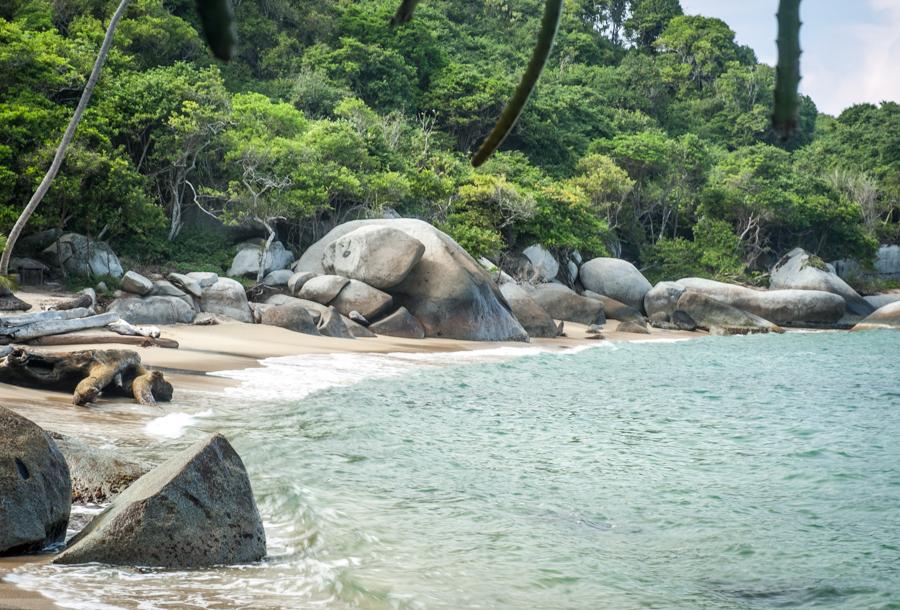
<point x="124" y="328"/>
<point x="57" y="327"/>
<point x="75" y="339"/>
<point x="44" y="316"/>
<point x="87" y="374"/>
<point x="82" y="300"/>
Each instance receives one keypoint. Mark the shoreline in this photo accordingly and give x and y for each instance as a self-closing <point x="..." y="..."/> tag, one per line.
<point x="234" y="346"/>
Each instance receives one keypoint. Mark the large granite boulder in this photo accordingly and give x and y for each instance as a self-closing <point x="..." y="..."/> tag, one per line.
<point x="296" y="281"/>
<point x="136" y="283"/>
<point x="331" y="324"/>
<point x="323" y="288"/>
<point x="885" y="317"/>
<point x="711" y="314"/>
<point x="362" y="298"/>
<point x="190" y="285"/>
<point x="662" y="298"/>
<point x="249" y="255"/>
<point x="153" y="310"/>
<point x="616" y="310"/>
<point x="279" y="277"/>
<point x="226" y="297"/>
<point x="615" y="278"/>
<point x="544" y="266"/>
<point x="887" y="262"/>
<point x="98" y="473"/>
<point x="380" y="256"/>
<point x="563" y="303"/>
<point x="880" y="300"/>
<point x="783" y="307"/>
<point x="81" y="256"/>
<point x="530" y="315"/>
<point x="401" y="323"/>
<point x="35" y="487"/>
<point x="293" y="316"/>
<point x="204" y="278"/>
<point x="447" y="291"/>
<point x="802" y="271"/>
<point x="195" y="510"/>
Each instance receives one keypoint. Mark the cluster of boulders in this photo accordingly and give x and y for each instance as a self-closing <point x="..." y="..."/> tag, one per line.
<point x="195" y="510"/>
<point x="405" y="278"/>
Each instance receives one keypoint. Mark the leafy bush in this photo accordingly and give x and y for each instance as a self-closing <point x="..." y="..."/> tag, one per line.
<point x="715" y="253"/>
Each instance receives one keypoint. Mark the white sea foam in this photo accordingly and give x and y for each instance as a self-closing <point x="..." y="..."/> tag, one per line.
<point x="173" y="425"/>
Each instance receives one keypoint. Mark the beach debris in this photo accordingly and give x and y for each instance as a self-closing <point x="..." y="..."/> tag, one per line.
<point x="122" y="327"/>
<point x="87" y="374"/>
<point x="401" y="324"/>
<point x="35" y="488"/>
<point x="195" y="510"/>
<point x="89" y="339"/>
<point x="98" y="473"/>
<point x="83" y="300"/>
<point x="44" y="327"/>
<point x="42" y="316"/>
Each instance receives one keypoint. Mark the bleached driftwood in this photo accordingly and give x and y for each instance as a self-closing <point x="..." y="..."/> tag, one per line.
<point x="56" y="327"/>
<point x="43" y="316"/>
<point x="124" y="328"/>
<point x="86" y="373"/>
<point x="87" y="339"/>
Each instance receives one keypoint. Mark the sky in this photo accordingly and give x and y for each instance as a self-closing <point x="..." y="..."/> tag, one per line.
<point x="851" y="48"/>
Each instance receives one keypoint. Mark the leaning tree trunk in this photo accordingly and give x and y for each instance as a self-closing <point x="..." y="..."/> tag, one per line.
<point x="66" y="140"/>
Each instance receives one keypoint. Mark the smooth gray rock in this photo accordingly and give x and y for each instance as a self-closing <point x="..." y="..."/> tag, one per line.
<point x="615" y="278"/>
<point x="530" y="315"/>
<point x="98" y="474"/>
<point x="249" y="255"/>
<point x="293" y="316"/>
<point x="35" y="487"/>
<point x="83" y="257"/>
<point x="323" y="288"/>
<point x="153" y="310"/>
<point x="616" y="310"/>
<point x="448" y="291"/>
<point x="562" y="303"/>
<point x="136" y="283"/>
<point x="633" y="327"/>
<point x="279" y="277"/>
<point x="165" y="288"/>
<point x="296" y="281"/>
<point x="315" y="309"/>
<point x="401" y="324"/>
<point x="708" y="313"/>
<point x="543" y="264"/>
<point x="800" y="270"/>
<point x="204" y="278"/>
<point x="662" y="298"/>
<point x="195" y="510"/>
<point x="783" y="307"/>
<point x="370" y="302"/>
<point x="331" y="324"/>
<point x="356" y="329"/>
<point x="226" y="297"/>
<point x="497" y="274"/>
<point x="188" y="284"/>
<point x="887" y="262"/>
<point x="887" y="317"/>
<point x="380" y="256"/>
<point x="880" y="300"/>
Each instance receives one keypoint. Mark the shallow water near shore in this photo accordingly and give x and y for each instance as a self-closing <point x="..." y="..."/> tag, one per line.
<point x="727" y="472"/>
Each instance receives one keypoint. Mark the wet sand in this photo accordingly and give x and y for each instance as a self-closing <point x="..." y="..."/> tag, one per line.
<point x="204" y="349"/>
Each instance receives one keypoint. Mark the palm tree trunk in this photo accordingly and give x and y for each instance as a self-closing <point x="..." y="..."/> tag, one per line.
<point x="66" y="140"/>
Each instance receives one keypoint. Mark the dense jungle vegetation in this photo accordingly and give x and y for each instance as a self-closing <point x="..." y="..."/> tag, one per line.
<point x="648" y="136"/>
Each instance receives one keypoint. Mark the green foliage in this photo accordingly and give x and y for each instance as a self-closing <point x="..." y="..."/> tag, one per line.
<point x="648" y="135"/>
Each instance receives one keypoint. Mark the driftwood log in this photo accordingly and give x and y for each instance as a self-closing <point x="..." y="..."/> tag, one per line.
<point x="43" y="316"/>
<point x="79" y="339"/>
<point x="81" y="300"/>
<point x="17" y="334"/>
<point x="86" y="373"/>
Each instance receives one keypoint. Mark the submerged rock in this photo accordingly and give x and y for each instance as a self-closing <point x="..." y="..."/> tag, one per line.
<point x="35" y="487"/>
<point x="615" y="278"/>
<point x="380" y="256"/>
<point x="98" y="474"/>
<point x="447" y="291"/>
<point x="195" y="510"/>
<point x="530" y="315"/>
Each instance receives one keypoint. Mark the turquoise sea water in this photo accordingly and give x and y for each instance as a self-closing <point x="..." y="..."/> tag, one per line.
<point x="733" y="473"/>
